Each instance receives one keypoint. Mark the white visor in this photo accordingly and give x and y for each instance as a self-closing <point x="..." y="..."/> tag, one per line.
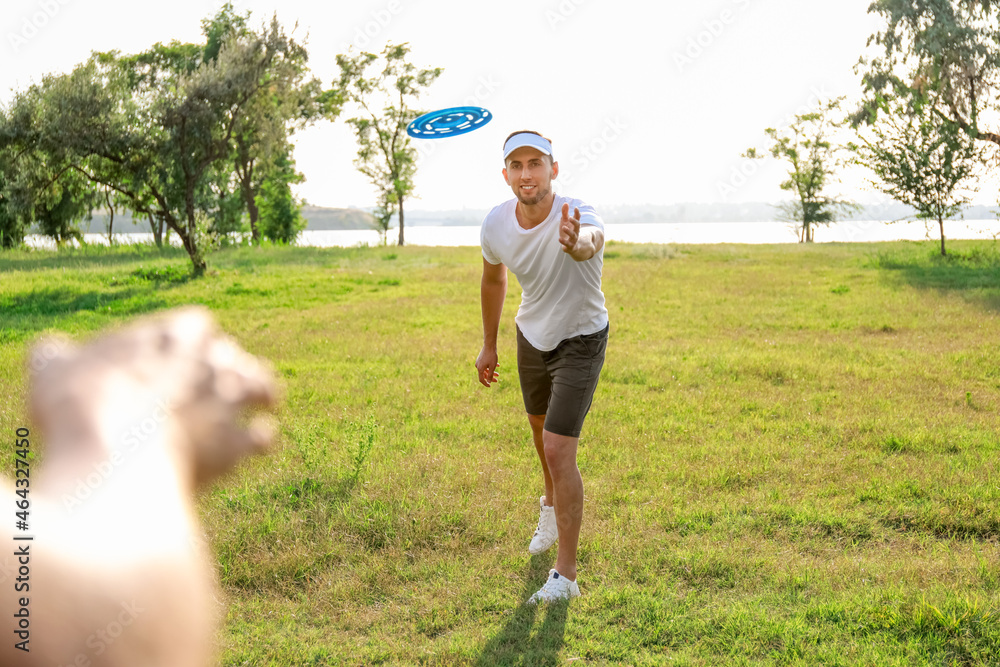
<point x="523" y="139"/>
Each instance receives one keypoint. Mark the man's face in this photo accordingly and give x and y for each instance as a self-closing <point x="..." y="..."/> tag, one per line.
<point x="529" y="173"/>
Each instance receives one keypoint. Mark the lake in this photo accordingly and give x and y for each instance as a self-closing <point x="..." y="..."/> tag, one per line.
<point x="674" y="232"/>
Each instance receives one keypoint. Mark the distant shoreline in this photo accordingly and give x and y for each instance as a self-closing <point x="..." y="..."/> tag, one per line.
<point x="753" y="233"/>
<point x="319" y="218"/>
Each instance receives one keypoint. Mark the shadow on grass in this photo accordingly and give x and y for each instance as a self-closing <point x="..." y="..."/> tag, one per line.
<point x="514" y="644"/>
<point x="972" y="268"/>
<point x="96" y="256"/>
<point x="28" y="313"/>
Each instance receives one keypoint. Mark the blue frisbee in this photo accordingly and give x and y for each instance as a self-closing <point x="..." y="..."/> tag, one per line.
<point x="448" y="122"/>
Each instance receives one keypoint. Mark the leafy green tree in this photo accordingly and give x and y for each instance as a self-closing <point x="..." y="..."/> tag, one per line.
<point x="12" y="224"/>
<point x="162" y="67"/>
<point x="132" y="167"/>
<point x="222" y="27"/>
<point x="813" y="158"/>
<point x="383" y="214"/>
<point x="942" y="52"/>
<point x="200" y="119"/>
<point x="261" y="136"/>
<point x="12" y="229"/>
<point x="280" y="213"/>
<point x="385" y="154"/>
<point x="155" y="128"/>
<point x="61" y="207"/>
<point x="39" y="190"/>
<point x="89" y="122"/>
<point x="921" y="160"/>
<point x="182" y="134"/>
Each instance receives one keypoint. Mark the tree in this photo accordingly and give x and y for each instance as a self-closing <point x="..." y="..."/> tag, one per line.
<point x="384" y="213"/>
<point x="153" y="127"/>
<point x="39" y="190"/>
<point x="12" y="229"/>
<point x="262" y="136"/>
<point x="921" y="160"/>
<point x="15" y="216"/>
<point x="280" y="213"/>
<point x="161" y="128"/>
<point x="289" y="102"/>
<point x="813" y="159"/>
<point x="385" y="154"/>
<point x="200" y="120"/>
<point x="285" y="102"/>
<point x="62" y="206"/>
<point x="945" y="53"/>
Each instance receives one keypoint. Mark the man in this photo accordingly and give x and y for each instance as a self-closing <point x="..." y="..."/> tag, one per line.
<point x="554" y="245"/>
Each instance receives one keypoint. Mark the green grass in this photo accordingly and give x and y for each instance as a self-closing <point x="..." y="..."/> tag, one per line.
<point x="791" y="458"/>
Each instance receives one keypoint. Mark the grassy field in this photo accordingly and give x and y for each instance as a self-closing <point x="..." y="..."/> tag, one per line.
<point x="791" y="458"/>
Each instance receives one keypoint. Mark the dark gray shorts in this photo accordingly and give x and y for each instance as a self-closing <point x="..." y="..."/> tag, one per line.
<point x="560" y="383"/>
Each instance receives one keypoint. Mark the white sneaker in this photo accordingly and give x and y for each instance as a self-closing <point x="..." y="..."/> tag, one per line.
<point x="556" y="588"/>
<point x="547" y="532"/>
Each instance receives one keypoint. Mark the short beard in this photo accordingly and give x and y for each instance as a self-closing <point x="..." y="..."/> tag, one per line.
<point x="534" y="200"/>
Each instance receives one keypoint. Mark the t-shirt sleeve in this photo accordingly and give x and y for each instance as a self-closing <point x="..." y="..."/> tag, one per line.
<point x="588" y="216"/>
<point x="484" y="241"/>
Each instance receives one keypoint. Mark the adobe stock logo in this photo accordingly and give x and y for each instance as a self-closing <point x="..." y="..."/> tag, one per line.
<point x="562" y="12"/>
<point x="742" y="173"/>
<point x="140" y="431"/>
<point x="591" y="151"/>
<point x="35" y="22"/>
<point x="365" y="34"/>
<point x="101" y="640"/>
<point x="45" y="352"/>
<point x="712" y="30"/>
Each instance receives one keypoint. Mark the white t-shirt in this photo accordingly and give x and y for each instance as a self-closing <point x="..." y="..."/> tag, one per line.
<point x="561" y="297"/>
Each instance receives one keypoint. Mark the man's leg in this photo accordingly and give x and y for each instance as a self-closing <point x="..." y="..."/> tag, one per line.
<point x="560" y="454"/>
<point x="536" y="386"/>
<point x="537" y="426"/>
<point x="575" y="370"/>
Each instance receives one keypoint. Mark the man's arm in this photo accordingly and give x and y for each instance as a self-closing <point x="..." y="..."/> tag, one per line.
<point x="580" y="244"/>
<point x="493" y="291"/>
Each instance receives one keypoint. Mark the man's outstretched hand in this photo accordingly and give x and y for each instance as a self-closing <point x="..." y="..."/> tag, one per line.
<point x="579" y="246"/>
<point x="569" y="229"/>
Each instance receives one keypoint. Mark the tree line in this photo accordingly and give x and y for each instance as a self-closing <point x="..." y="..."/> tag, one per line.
<point x="929" y="93"/>
<point x="196" y="138"/>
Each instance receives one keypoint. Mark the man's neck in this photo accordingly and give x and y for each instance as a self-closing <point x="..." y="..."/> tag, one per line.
<point x="530" y="216"/>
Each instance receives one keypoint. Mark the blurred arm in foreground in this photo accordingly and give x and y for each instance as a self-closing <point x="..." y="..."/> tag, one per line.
<point x="132" y="424"/>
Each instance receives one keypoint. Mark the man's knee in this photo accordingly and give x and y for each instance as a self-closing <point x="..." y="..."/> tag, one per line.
<point x="560" y="450"/>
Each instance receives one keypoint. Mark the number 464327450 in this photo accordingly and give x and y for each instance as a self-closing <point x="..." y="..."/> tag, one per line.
<point x="23" y="455"/>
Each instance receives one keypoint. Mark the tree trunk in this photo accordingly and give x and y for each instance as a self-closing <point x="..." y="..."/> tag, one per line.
<point x="400" y="220"/>
<point x="249" y="197"/>
<point x="254" y="213"/>
<point x="189" y="240"/>
<point x="197" y="261"/>
<point x="190" y="237"/>
<point x="941" y="225"/>
<point x="156" y="226"/>
<point x="111" y="219"/>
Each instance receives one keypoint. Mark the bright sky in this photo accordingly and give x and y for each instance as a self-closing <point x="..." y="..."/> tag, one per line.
<point x="646" y="102"/>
